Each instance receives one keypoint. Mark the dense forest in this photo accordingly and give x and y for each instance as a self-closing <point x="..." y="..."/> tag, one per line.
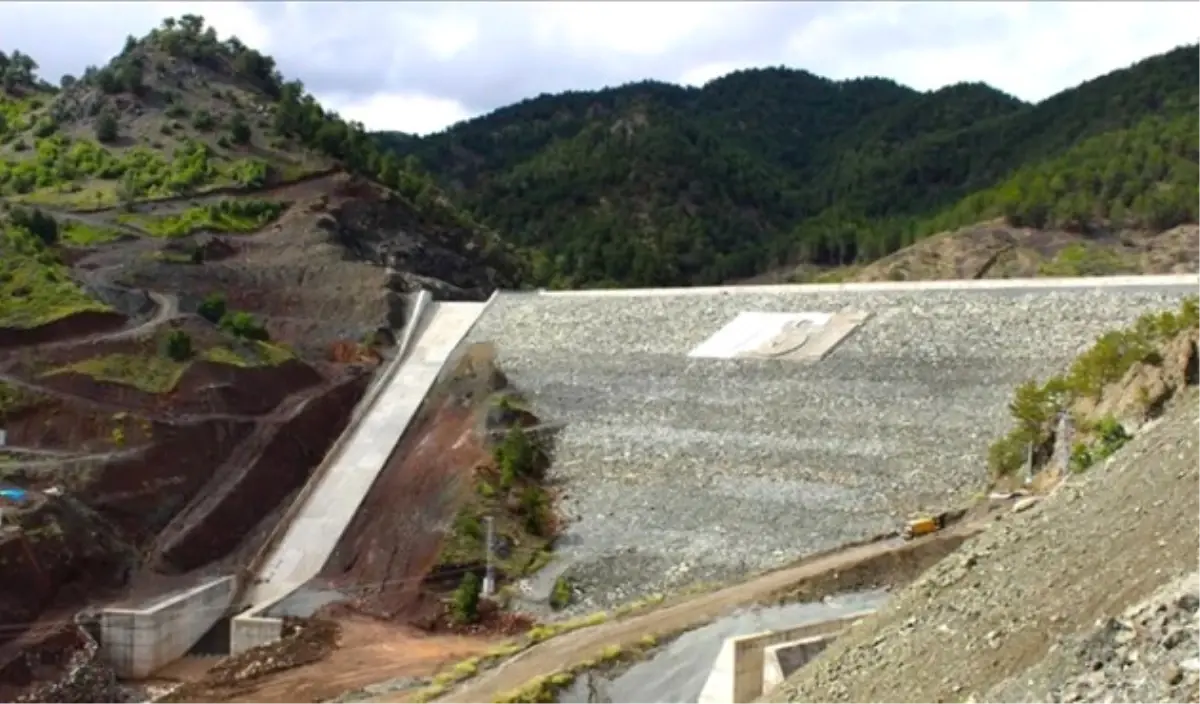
<point x="656" y="184"/>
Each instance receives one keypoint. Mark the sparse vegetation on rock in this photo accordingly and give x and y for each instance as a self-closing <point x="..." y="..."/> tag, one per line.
<point x="1082" y="389"/>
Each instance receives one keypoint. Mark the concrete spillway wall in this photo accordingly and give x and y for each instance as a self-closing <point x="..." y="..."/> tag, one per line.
<point x="304" y="542"/>
<point x="136" y="642"/>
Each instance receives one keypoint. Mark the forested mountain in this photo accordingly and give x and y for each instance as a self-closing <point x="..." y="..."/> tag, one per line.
<point x="656" y="184"/>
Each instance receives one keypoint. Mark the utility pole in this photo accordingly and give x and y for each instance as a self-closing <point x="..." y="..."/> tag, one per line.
<point x="489" y="577"/>
<point x="1029" y="463"/>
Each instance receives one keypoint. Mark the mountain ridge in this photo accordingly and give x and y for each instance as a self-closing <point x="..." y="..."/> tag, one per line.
<point x="651" y="183"/>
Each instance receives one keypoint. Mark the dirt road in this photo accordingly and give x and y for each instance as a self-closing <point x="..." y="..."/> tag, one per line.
<point x="572" y="648"/>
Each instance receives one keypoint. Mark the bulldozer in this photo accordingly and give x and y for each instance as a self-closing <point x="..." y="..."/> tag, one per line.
<point x="924" y="524"/>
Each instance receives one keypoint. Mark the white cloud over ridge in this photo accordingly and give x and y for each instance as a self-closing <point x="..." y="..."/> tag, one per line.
<point x="421" y="66"/>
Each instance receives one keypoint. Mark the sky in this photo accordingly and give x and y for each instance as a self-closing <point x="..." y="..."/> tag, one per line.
<point x="421" y="66"/>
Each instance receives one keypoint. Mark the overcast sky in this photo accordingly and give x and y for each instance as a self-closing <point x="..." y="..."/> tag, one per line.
<point x="419" y="67"/>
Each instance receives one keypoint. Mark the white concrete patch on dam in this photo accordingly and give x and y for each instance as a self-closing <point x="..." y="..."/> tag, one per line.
<point x="793" y="336"/>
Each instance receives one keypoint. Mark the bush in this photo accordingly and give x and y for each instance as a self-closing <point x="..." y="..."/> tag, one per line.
<point x="516" y="456"/>
<point x="212" y="308"/>
<point x="535" y="509"/>
<point x="179" y="345"/>
<point x="242" y="324"/>
<point x="561" y="594"/>
<point x="464" y="607"/>
<point x="203" y="120"/>
<point x="106" y="127"/>
<point x="40" y="224"/>
<point x="239" y="129"/>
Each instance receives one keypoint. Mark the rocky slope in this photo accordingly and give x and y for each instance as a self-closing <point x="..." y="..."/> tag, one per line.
<point x="1023" y="607"/>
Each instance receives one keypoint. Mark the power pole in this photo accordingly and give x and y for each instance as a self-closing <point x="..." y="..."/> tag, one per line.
<point x="489" y="576"/>
<point x="1029" y="463"/>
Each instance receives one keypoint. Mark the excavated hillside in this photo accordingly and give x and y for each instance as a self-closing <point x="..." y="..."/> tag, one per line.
<point x="200" y="270"/>
<point x="1089" y="595"/>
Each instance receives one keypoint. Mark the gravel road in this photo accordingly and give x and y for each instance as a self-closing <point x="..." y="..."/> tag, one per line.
<point x="679" y="469"/>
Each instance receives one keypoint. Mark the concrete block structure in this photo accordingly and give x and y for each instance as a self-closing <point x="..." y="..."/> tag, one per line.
<point x="780" y="661"/>
<point x="138" y="641"/>
<point x="737" y="674"/>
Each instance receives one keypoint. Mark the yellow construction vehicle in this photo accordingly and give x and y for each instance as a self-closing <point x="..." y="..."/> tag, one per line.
<point x="923" y="526"/>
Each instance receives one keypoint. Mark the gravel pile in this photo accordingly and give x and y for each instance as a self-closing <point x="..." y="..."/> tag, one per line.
<point x="678" y="469"/>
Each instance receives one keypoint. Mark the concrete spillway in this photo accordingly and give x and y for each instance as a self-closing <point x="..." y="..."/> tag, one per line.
<point x="322" y="513"/>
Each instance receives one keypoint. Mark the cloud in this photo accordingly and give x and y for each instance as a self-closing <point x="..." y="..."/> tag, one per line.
<point x="421" y="66"/>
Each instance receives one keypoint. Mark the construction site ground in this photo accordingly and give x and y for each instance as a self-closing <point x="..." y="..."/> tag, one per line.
<point x="154" y="487"/>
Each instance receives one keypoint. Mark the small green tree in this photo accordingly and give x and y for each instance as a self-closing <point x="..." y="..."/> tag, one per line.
<point x="464" y="607"/>
<point x="515" y="456"/>
<point x="239" y="129"/>
<point x="106" y="127"/>
<point x="561" y="593"/>
<point x="212" y="308"/>
<point x="179" y="345"/>
<point x="244" y="325"/>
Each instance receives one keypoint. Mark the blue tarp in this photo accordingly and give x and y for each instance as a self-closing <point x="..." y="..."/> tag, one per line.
<point x="13" y="494"/>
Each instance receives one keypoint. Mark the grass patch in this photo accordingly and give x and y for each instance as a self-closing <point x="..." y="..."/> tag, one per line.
<point x="35" y="287"/>
<point x="1078" y="259"/>
<point x="152" y="374"/>
<point x="226" y="216"/>
<point x="255" y="353"/>
<point x="1035" y="407"/>
<point x="74" y="196"/>
<point x="84" y="235"/>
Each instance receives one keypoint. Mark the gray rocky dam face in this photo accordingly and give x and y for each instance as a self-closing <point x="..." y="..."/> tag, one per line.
<point x="681" y="468"/>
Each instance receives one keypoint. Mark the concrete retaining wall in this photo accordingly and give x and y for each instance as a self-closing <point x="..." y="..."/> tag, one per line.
<point x="780" y="661"/>
<point x="737" y="674"/>
<point x="138" y="642"/>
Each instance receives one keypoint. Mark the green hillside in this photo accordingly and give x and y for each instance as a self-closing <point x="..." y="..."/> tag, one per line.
<point x="656" y="184"/>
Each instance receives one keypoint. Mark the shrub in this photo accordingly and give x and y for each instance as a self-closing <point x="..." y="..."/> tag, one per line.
<point x="535" y="509"/>
<point x="179" y="345"/>
<point x="561" y="594"/>
<point x="106" y="127"/>
<point x="464" y="607"/>
<point x="244" y="325"/>
<point x="239" y="129"/>
<point x="40" y="224"/>
<point x="212" y="308"/>
<point x="203" y="120"/>
<point x="515" y="456"/>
